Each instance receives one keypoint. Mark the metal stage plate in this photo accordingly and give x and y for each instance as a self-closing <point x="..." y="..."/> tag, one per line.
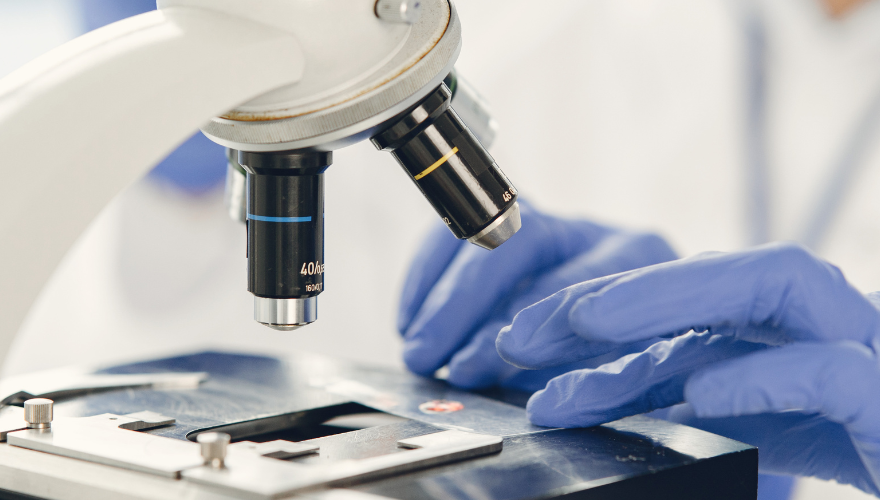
<point x="366" y="433"/>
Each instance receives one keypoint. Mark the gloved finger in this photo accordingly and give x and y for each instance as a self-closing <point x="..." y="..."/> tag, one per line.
<point x="539" y="345"/>
<point x="540" y="336"/>
<point x="532" y="381"/>
<point x="791" y="443"/>
<point x="435" y="254"/>
<point x="781" y="286"/>
<point x="477" y="281"/>
<point x="477" y="365"/>
<point x="839" y="380"/>
<point x="633" y="384"/>
<point x="616" y="253"/>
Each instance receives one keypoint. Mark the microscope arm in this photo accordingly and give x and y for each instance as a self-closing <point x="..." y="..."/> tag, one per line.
<point x="82" y="122"/>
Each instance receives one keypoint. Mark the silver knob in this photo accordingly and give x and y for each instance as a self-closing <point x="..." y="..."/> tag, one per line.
<point x="213" y="446"/>
<point x="38" y="413"/>
<point x="399" y="11"/>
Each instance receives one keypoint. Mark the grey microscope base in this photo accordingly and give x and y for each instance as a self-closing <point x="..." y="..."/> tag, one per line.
<point x="265" y="399"/>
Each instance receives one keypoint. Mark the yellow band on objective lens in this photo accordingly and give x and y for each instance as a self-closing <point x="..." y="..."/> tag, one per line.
<point x="436" y="164"/>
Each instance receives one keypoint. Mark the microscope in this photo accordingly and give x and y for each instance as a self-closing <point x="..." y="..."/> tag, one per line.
<point x="280" y="145"/>
<point x="282" y="84"/>
<point x="285" y="196"/>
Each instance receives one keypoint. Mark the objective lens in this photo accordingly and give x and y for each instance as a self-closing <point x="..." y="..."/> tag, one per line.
<point x="453" y="170"/>
<point x="285" y="234"/>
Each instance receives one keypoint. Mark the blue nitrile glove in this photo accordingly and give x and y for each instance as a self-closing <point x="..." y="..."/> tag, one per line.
<point x="775" y="330"/>
<point x="458" y="296"/>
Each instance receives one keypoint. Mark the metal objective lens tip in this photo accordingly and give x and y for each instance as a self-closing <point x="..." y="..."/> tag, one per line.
<point x="500" y="230"/>
<point x="283" y="328"/>
<point x="285" y="315"/>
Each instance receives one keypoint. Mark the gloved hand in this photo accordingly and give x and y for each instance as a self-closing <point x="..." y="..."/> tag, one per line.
<point x="775" y="330"/>
<point x="458" y="296"/>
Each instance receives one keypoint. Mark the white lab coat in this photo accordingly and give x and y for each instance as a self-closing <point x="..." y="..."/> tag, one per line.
<point x="628" y="112"/>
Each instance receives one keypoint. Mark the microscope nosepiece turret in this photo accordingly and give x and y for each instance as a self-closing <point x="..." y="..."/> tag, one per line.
<point x="285" y="233"/>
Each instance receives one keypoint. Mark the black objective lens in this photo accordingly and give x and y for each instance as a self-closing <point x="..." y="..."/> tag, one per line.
<point x="453" y="170"/>
<point x="285" y="234"/>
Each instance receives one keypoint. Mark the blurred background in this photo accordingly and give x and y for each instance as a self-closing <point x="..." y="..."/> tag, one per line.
<point x="717" y="123"/>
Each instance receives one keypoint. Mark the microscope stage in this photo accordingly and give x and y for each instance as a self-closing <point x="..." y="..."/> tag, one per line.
<point x="313" y="427"/>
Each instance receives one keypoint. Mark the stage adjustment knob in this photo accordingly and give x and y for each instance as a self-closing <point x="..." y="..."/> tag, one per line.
<point x="38" y="413"/>
<point x="213" y="446"/>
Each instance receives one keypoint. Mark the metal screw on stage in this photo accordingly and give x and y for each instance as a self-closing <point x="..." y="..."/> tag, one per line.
<point x="213" y="445"/>
<point x="38" y="413"/>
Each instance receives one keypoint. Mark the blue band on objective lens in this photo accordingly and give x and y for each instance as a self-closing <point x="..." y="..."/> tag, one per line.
<point x="279" y="219"/>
